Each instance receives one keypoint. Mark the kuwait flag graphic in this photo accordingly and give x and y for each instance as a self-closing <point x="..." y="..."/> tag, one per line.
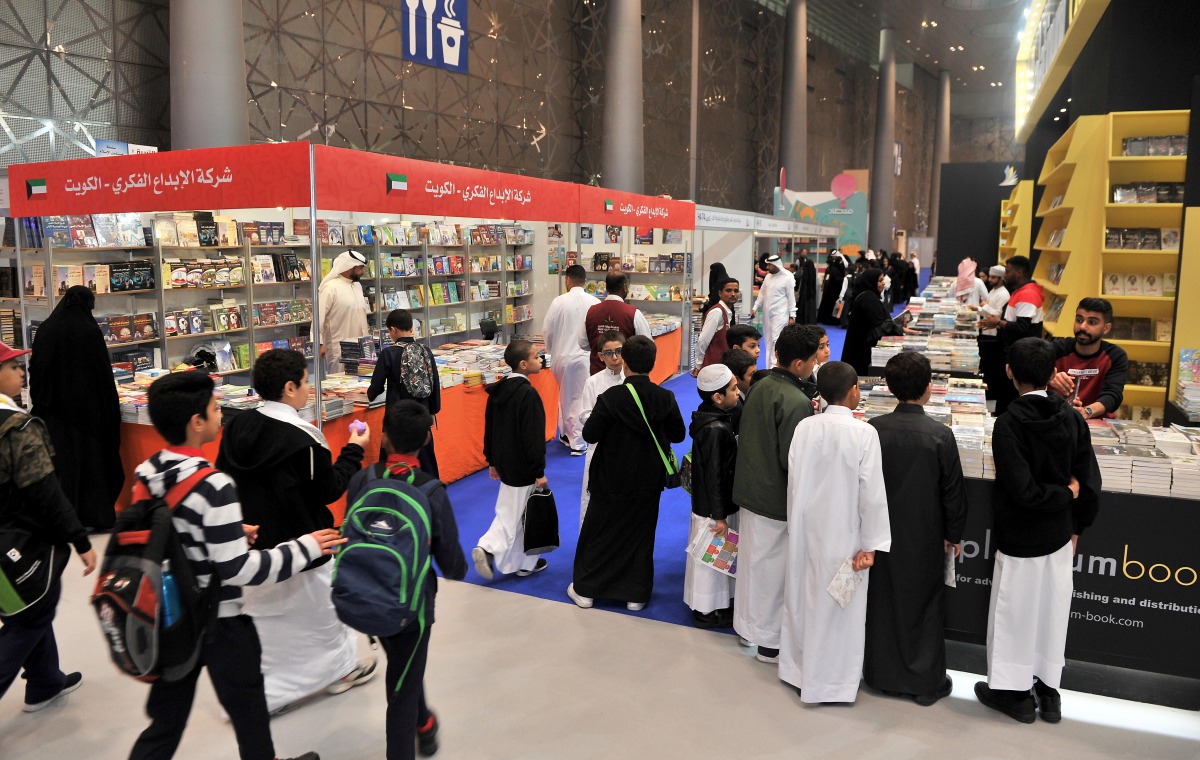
<point x="397" y="183"/>
<point x="35" y="188"/>
<point x="608" y="207"/>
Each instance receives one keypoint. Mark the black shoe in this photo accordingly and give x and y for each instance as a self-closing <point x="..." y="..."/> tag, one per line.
<point x="925" y="700"/>
<point x="538" y="567"/>
<point x="73" y="682"/>
<point x="767" y="655"/>
<point x="707" y="620"/>
<point x="1018" y="705"/>
<point x="427" y="743"/>
<point x="1049" y="702"/>
<point x="306" y="756"/>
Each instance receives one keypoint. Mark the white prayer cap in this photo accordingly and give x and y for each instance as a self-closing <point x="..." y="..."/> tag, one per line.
<point x="713" y="378"/>
<point x="346" y="261"/>
<point x="996" y="271"/>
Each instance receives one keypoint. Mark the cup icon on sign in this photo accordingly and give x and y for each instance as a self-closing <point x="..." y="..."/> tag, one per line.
<point x="452" y="34"/>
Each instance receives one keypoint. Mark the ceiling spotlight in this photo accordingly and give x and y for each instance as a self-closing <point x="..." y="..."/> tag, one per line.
<point x="935" y="60"/>
<point x="933" y="24"/>
<point x="960" y="47"/>
<point x="1068" y="100"/>
<point x="952" y="48"/>
<point x="999" y="84"/>
<point x="1056" y="118"/>
<point x="981" y="68"/>
<point x="974" y="68"/>
<point x="1062" y="110"/>
<point x="924" y="24"/>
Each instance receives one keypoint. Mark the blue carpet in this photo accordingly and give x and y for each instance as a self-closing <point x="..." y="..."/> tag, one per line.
<point x="474" y="499"/>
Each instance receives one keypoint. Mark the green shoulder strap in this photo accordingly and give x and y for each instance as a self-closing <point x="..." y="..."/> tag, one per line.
<point x="666" y="462"/>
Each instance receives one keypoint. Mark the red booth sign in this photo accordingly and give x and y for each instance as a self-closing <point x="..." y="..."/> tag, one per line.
<point x="243" y="176"/>
<point x="598" y="205"/>
<point x="350" y="180"/>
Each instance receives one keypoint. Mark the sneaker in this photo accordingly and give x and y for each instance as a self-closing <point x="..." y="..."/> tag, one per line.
<point x="579" y="452"/>
<point x="707" y="620"/>
<point x="363" y="672"/>
<point x="767" y="655"/>
<point x="580" y="601"/>
<point x="925" y="700"/>
<point x="537" y="568"/>
<point x="483" y="563"/>
<point x="564" y="440"/>
<point x="73" y="682"/>
<point x="427" y="743"/>
<point x="1049" y="702"/>
<point x="1018" y="705"/>
<point x="745" y="642"/>
<point x="635" y="606"/>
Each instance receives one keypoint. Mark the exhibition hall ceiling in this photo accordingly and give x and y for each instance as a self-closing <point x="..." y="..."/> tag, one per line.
<point x="975" y="40"/>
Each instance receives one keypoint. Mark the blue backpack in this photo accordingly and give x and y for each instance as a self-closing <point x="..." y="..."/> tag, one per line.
<point x="379" y="574"/>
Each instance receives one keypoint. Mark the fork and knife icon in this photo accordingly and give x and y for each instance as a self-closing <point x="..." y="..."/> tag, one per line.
<point x="428" y="6"/>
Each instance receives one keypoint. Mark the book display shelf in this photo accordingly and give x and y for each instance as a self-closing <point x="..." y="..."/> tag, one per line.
<point x="1016" y="222"/>
<point x="1112" y="214"/>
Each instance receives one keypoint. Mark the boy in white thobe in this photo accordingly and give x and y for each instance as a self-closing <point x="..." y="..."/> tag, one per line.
<point x="777" y="302"/>
<point x="612" y="374"/>
<point x="570" y="364"/>
<point x="837" y="511"/>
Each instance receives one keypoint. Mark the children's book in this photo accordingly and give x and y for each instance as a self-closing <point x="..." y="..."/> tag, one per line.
<point x="716" y="552"/>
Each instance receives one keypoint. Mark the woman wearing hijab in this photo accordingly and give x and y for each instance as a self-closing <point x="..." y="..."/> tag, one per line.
<point x="72" y="390"/>
<point x="831" y="288"/>
<point x="717" y="277"/>
<point x="869" y="321"/>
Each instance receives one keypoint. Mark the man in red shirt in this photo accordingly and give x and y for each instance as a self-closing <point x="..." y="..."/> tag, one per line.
<point x="1088" y="370"/>
<point x="611" y="314"/>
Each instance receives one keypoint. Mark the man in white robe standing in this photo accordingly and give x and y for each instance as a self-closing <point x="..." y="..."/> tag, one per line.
<point x="777" y="302"/>
<point x="837" y="514"/>
<point x="570" y="363"/>
<point x="343" y="308"/>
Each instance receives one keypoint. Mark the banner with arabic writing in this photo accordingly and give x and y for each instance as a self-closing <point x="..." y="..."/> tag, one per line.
<point x="245" y="176"/>
<point x="350" y="180"/>
<point x="598" y="205"/>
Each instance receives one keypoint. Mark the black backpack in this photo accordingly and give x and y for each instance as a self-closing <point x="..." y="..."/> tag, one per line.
<point x="153" y="630"/>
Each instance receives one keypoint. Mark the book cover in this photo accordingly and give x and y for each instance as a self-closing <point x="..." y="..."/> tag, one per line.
<point x="170" y="324"/>
<point x="1133" y="285"/>
<point x="189" y="233"/>
<point x="221" y="274"/>
<point x="643" y="235"/>
<point x="678" y="262"/>
<point x="612" y="233"/>
<point x="120" y="328"/>
<point x="1143" y="328"/>
<point x="302" y="227"/>
<point x="600" y="262"/>
<point x="61" y="275"/>
<point x="83" y="234"/>
<point x="1152" y="285"/>
<point x="57" y="229"/>
<point x="277" y="233"/>
<point x="120" y="276"/>
<point x="1168" y="238"/>
<point x="281" y="344"/>
<point x="142" y="274"/>
<point x="304" y="268"/>
<point x="1168" y="279"/>
<point x="105" y="226"/>
<point x="262" y="347"/>
<point x="1163" y="330"/>
<point x="264" y="268"/>
<point x="291" y="265"/>
<point x="269" y="313"/>
<point x="1114" y="284"/>
<point x="207" y="233"/>
<point x="241" y="355"/>
<point x="414" y="298"/>
<point x="145" y="326"/>
<point x="323" y="226"/>
<point x="367" y="234"/>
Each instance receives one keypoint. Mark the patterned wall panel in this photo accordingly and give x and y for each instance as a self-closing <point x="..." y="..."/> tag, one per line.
<point x="984" y="140"/>
<point x="72" y="71"/>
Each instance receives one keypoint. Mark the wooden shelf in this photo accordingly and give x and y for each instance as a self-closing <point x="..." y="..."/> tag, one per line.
<point x="520" y="295"/>
<point x="1138" y="343"/>
<point x="1141" y="299"/>
<point x="261" y="246"/>
<point x="1155" y="389"/>
<point x="1144" y="215"/>
<point x="1057" y="211"/>
<point x="208" y="287"/>
<point x="109" y="249"/>
<point x="126" y="292"/>
<point x="205" y="247"/>
<point x="132" y="343"/>
<point x="266" y="284"/>
<point x="1060" y="173"/>
<point x="282" y="324"/>
<point x="210" y="333"/>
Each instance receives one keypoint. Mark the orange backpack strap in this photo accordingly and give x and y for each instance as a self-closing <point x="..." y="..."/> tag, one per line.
<point x="180" y="490"/>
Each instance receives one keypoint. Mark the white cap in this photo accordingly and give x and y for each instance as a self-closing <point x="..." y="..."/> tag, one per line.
<point x="996" y="271"/>
<point x="713" y="378"/>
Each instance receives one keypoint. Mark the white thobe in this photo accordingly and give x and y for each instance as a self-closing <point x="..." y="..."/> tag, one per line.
<point x="569" y="363"/>
<point x="595" y="385"/>
<point x="640" y="327"/>
<point x="777" y="304"/>
<point x="977" y="295"/>
<point x="343" y="317"/>
<point x="713" y="322"/>
<point x="706" y="590"/>
<point x="505" y="538"/>
<point x="1027" y="619"/>
<point x="837" y="506"/>
<point x="997" y="299"/>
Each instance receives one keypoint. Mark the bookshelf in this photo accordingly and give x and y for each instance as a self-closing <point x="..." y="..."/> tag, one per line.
<point x="1016" y="222"/>
<point x="1072" y="222"/>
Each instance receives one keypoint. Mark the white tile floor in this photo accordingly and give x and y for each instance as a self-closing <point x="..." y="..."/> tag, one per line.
<point x="517" y="677"/>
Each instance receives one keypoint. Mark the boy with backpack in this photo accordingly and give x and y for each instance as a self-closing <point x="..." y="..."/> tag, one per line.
<point x="208" y="523"/>
<point x="361" y="585"/>
<point x="407" y="370"/>
<point x="514" y="445"/>
<point x="34" y="511"/>
<point x="709" y="593"/>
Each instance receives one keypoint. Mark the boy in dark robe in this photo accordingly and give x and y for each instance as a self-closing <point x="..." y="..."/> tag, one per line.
<point x="905" y="647"/>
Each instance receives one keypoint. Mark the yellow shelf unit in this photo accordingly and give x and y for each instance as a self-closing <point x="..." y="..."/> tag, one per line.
<point x="1187" y="310"/>
<point x="1072" y="221"/>
<point x="1153" y="264"/>
<point x="1016" y="222"/>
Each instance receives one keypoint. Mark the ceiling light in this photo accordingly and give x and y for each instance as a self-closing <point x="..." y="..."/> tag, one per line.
<point x="981" y="67"/>
<point x="952" y="48"/>
<point x="924" y="24"/>
<point x="933" y="24"/>
<point x="1056" y="118"/>
<point x="1062" y="110"/>
<point x="1068" y="100"/>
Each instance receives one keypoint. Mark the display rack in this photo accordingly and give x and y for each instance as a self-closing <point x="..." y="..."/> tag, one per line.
<point x="1016" y="222"/>
<point x="1145" y="263"/>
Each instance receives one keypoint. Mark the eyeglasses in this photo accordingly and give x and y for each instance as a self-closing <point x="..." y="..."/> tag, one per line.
<point x="611" y="353"/>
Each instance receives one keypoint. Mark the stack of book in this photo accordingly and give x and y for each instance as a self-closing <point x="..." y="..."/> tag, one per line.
<point x="1188" y="383"/>
<point x="358" y="350"/>
<point x="1116" y="468"/>
<point x="1133" y="433"/>
<point x="1151" y="473"/>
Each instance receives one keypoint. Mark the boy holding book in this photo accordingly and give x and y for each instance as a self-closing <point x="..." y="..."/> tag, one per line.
<point x="1047" y="491"/>
<point x="408" y="376"/>
<point x="707" y="592"/>
<point x="406" y="429"/>
<point x="209" y="523"/>
<point x="514" y="445"/>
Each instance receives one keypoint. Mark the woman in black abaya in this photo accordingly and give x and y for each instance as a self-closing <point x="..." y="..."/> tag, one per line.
<point x="72" y="389"/>
<point x="869" y="321"/>
<point x="831" y="290"/>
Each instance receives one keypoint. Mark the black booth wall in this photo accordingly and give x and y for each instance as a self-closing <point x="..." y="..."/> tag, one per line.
<point x="970" y="214"/>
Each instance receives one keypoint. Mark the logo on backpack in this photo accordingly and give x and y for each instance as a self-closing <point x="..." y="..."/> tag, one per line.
<point x="151" y="609"/>
<point x="379" y="574"/>
<point x="416" y="371"/>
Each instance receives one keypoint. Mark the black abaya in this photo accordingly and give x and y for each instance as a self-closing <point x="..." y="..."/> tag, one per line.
<point x="835" y="273"/>
<point x="869" y="321"/>
<point x="72" y="390"/>
<point x="806" y="292"/>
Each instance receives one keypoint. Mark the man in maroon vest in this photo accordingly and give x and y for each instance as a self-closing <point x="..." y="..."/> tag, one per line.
<point x="712" y="341"/>
<point x="611" y="314"/>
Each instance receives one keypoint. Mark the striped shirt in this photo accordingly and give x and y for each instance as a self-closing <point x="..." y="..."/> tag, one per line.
<point x="209" y="524"/>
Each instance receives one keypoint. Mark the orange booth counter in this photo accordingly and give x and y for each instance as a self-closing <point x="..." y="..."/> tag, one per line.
<point x="457" y="436"/>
